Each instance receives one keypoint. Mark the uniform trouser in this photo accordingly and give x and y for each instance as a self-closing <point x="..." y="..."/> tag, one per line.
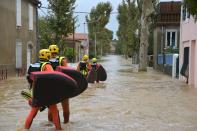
<point x="54" y="112"/>
<point x="66" y="112"/>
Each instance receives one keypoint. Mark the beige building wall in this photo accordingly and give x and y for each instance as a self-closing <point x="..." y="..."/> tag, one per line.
<point x="7" y="33"/>
<point x="10" y="34"/>
<point x="189" y="39"/>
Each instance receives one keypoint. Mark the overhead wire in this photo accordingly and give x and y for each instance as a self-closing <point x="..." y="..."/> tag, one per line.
<point x="42" y="11"/>
<point x="79" y="12"/>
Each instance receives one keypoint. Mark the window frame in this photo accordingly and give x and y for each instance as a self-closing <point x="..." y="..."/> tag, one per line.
<point x="176" y="35"/>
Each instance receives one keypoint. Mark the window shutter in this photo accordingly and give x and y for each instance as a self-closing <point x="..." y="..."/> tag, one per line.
<point x="30" y="17"/>
<point x="18" y="12"/>
<point x="18" y="55"/>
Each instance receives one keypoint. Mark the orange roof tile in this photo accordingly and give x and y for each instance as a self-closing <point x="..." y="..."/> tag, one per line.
<point x="77" y="37"/>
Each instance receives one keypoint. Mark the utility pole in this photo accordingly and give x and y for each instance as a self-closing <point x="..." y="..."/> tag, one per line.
<point x="101" y="48"/>
<point x="95" y="37"/>
<point x="37" y="32"/>
<point x="84" y="27"/>
<point x="163" y="44"/>
<point x="95" y="43"/>
<point x="73" y="40"/>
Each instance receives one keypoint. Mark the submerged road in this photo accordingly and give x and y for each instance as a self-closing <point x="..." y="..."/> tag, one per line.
<point x="127" y="101"/>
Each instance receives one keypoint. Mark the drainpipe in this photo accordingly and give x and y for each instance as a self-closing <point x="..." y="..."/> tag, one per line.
<point x="163" y="46"/>
<point x="37" y="32"/>
<point x="95" y="44"/>
<point x="73" y="40"/>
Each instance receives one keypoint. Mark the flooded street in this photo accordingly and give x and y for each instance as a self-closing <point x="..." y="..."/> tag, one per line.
<point x="127" y="101"/>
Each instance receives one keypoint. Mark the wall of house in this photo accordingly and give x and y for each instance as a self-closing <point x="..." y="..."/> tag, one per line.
<point x="27" y="36"/>
<point x="81" y="51"/>
<point x="10" y="34"/>
<point x="7" y="34"/>
<point x="189" y="39"/>
<point x="160" y="39"/>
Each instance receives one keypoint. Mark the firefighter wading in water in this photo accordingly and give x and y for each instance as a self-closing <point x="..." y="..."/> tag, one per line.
<point x="59" y="61"/>
<point x="42" y="65"/>
<point x="84" y="66"/>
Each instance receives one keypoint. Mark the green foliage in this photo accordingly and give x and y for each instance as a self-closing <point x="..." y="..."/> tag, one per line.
<point x="68" y="52"/>
<point x="97" y="20"/>
<point x="91" y="54"/>
<point x="44" y="33"/>
<point x="118" y="48"/>
<point x="58" y="23"/>
<point x="105" y="38"/>
<point x="128" y="25"/>
<point x="99" y="17"/>
<point x="61" y="17"/>
<point x="171" y="50"/>
<point x="192" y="7"/>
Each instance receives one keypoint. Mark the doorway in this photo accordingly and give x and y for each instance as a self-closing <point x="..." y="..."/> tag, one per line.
<point x="29" y="55"/>
<point x="185" y="67"/>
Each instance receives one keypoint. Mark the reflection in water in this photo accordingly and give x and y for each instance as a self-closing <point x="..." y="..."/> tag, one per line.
<point x="126" y="101"/>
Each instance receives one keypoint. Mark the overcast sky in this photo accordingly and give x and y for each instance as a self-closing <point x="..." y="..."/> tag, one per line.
<point x="85" y="6"/>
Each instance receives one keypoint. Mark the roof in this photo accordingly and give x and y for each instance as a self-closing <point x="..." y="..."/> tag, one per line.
<point x="169" y="7"/>
<point x="77" y="37"/>
<point x="168" y="13"/>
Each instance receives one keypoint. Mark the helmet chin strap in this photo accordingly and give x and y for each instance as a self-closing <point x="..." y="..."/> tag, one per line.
<point x="41" y="59"/>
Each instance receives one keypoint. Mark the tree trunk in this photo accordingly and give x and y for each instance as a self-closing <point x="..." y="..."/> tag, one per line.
<point x="147" y="10"/>
<point x="126" y="52"/>
<point x="101" y="50"/>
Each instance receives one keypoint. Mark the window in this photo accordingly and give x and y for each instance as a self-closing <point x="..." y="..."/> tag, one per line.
<point x="168" y="38"/>
<point x="185" y="13"/>
<point x="30" y="17"/>
<point x="18" y="54"/>
<point x="18" y="12"/>
<point x="171" y="38"/>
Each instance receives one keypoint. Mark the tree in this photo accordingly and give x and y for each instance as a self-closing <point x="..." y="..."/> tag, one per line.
<point x="97" y="20"/>
<point x="134" y="27"/>
<point x="147" y="10"/>
<point x="105" y="37"/>
<point x="122" y="29"/>
<point x="118" y="48"/>
<point x="68" y="52"/>
<point x="192" y="7"/>
<point x="128" y="25"/>
<point x="61" y="18"/>
<point x="44" y="33"/>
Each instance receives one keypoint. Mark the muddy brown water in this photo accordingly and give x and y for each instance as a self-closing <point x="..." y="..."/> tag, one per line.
<point x="127" y="101"/>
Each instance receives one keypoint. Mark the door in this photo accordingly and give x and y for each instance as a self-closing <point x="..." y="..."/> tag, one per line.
<point x="185" y="67"/>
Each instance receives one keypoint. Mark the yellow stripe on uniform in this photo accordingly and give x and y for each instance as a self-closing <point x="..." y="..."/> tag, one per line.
<point x="60" y="60"/>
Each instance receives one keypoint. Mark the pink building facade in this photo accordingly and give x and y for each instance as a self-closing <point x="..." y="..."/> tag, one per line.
<point x="188" y="41"/>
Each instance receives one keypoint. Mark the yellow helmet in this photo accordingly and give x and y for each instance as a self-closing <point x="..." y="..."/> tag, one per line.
<point x="85" y="57"/>
<point x="94" y="60"/>
<point x="54" y="49"/>
<point x="44" y="54"/>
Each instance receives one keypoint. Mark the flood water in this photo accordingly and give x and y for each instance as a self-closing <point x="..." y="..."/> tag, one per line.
<point x="127" y="101"/>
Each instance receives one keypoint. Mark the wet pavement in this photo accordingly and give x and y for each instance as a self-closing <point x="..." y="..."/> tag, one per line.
<point x="127" y="101"/>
